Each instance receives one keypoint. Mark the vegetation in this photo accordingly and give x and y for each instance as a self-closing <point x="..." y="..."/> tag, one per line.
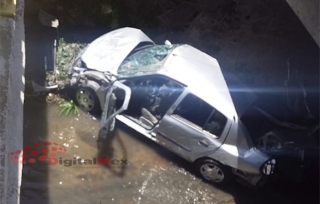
<point x="66" y="54"/>
<point x="67" y="107"/>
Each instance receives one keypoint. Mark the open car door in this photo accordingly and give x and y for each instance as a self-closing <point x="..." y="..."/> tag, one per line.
<point x="117" y="100"/>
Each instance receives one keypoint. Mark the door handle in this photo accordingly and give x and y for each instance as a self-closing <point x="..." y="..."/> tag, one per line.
<point x="173" y="141"/>
<point x="203" y="143"/>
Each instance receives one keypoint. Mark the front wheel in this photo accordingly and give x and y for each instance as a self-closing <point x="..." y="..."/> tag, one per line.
<point x="87" y="99"/>
<point x="213" y="171"/>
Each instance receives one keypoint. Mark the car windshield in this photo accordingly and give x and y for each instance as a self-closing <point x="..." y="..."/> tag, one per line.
<point x="149" y="60"/>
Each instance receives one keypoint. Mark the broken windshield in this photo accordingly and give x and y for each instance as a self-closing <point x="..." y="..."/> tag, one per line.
<point x="149" y="60"/>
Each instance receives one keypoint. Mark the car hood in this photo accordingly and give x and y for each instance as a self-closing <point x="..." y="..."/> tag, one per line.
<point x="107" y="52"/>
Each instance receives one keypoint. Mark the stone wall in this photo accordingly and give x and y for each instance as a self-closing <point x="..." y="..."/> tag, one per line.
<point x="12" y="62"/>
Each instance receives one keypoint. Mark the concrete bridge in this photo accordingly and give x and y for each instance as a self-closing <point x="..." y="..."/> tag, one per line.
<point x="308" y="13"/>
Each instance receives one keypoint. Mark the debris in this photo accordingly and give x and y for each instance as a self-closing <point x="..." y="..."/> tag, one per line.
<point x="38" y="88"/>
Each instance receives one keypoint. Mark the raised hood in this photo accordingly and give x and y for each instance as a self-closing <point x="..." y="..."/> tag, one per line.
<point x="107" y="52"/>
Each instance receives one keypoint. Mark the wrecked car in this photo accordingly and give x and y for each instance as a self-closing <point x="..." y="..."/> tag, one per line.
<point x="176" y="96"/>
<point x="180" y="98"/>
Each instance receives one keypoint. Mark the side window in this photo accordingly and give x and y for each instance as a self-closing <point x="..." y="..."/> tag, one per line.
<point x="216" y="123"/>
<point x="194" y="110"/>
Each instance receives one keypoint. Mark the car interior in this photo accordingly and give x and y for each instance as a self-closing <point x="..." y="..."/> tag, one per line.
<point x="151" y="98"/>
<point x="201" y="115"/>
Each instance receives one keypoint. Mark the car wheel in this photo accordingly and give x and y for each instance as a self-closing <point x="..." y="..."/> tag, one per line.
<point x="213" y="171"/>
<point x="87" y="100"/>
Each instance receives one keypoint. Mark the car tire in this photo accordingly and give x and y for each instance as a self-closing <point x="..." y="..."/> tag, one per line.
<point x="87" y="100"/>
<point x="213" y="171"/>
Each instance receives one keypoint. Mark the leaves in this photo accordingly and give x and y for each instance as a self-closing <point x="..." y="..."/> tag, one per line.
<point x="66" y="55"/>
<point x="67" y="107"/>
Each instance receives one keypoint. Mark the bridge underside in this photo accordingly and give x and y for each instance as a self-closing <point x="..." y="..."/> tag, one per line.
<point x="308" y="13"/>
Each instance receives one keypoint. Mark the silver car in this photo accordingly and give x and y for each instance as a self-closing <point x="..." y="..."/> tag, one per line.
<point x="176" y="96"/>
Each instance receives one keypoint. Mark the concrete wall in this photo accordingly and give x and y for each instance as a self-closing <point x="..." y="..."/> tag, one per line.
<point x="308" y="13"/>
<point x="12" y="62"/>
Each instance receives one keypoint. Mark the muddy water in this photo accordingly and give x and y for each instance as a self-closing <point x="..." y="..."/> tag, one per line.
<point x="151" y="174"/>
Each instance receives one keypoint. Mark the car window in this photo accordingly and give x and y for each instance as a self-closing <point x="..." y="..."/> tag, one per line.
<point x="199" y="113"/>
<point x="194" y="110"/>
<point x="216" y="123"/>
<point x="146" y="61"/>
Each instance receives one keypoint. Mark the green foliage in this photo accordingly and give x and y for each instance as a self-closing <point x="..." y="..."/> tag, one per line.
<point x="66" y="54"/>
<point x="67" y="107"/>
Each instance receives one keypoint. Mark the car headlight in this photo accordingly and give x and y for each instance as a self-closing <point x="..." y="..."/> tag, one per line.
<point x="268" y="167"/>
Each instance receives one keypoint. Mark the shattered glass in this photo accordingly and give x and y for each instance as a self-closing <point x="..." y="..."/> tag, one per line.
<point x="149" y="60"/>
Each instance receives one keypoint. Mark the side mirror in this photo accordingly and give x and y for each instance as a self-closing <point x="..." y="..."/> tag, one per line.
<point x="167" y="42"/>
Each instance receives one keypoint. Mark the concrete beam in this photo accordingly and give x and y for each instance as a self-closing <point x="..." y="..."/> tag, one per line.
<point x="308" y="13"/>
<point x="12" y="63"/>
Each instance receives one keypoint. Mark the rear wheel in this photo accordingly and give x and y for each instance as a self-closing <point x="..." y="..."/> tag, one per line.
<point x="213" y="171"/>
